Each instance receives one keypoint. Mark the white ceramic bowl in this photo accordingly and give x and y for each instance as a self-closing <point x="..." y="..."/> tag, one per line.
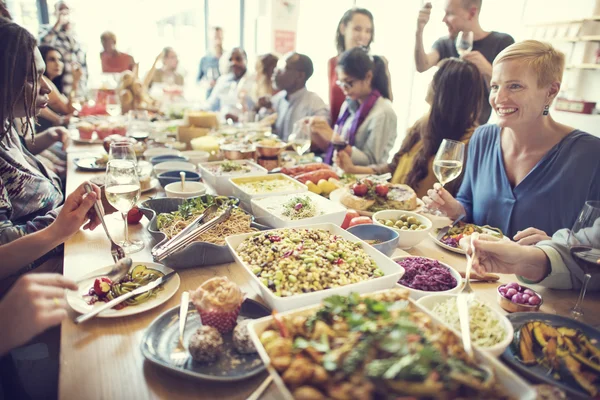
<point x="431" y="300"/>
<point x="196" y="156"/>
<point x="220" y="183"/>
<point x="246" y="197"/>
<point x="190" y="189"/>
<point x="160" y="151"/>
<point x="392" y="272"/>
<point x="267" y="211"/>
<point x="417" y="294"/>
<point x="174" y="166"/>
<point x="408" y="238"/>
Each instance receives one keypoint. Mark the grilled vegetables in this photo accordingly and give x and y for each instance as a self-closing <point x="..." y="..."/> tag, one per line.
<point x="567" y="353"/>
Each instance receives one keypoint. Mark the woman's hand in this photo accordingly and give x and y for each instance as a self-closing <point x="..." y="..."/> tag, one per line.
<point x="77" y="73"/>
<point x="78" y="208"/>
<point x="59" y="134"/>
<point x="344" y="161"/>
<point x="439" y="198"/>
<point x="320" y="126"/>
<point x="530" y="236"/>
<point x="494" y="255"/>
<point x="35" y="303"/>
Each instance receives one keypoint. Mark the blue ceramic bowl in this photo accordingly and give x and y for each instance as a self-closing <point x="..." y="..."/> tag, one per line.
<point x="167" y="157"/>
<point x="388" y="238"/>
<point x="173" y="176"/>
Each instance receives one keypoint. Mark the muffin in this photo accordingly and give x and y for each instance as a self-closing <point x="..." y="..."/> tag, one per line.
<point x="218" y="301"/>
<point x="205" y="344"/>
<point x="103" y="130"/>
<point x="86" y="130"/>
<point x="241" y="338"/>
<point x="119" y="129"/>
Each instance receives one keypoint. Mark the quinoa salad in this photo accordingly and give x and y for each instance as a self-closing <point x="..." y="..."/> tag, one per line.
<point x="295" y="261"/>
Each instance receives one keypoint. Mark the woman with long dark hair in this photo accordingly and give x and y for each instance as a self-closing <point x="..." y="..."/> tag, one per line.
<point x="455" y="99"/>
<point x="355" y="29"/>
<point x="366" y="121"/>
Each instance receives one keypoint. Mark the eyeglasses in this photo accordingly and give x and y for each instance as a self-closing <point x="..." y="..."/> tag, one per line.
<point x="346" y="85"/>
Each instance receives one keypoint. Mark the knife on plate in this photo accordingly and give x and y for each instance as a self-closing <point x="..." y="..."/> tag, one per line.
<point x="120" y="299"/>
<point x="442" y="232"/>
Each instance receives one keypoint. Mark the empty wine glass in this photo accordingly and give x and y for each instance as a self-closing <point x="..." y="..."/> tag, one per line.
<point x="113" y="107"/>
<point x="584" y="245"/>
<point x="122" y="187"/>
<point x="464" y="42"/>
<point x="138" y="124"/>
<point x="300" y="137"/>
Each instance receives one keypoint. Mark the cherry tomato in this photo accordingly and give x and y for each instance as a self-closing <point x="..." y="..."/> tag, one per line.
<point x="382" y="190"/>
<point x="350" y="214"/>
<point x="360" y="220"/>
<point x="360" y="189"/>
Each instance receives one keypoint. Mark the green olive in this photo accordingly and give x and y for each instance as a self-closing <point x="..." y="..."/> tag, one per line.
<point x="412" y="220"/>
<point x="406" y="224"/>
<point x="422" y="226"/>
<point x="404" y="228"/>
<point x="404" y="217"/>
<point x="399" y="224"/>
<point x="389" y="223"/>
<point x="413" y="227"/>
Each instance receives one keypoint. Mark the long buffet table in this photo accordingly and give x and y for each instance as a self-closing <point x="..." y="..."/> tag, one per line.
<point x="101" y="359"/>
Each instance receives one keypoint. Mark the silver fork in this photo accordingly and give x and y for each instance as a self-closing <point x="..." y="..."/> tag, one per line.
<point x="462" y="303"/>
<point x="179" y="355"/>
<point x="116" y="250"/>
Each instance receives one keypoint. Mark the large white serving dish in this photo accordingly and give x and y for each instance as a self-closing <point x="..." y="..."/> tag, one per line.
<point x="220" y="183"/>
<point x="392" y="272"/>
<point x="417" y="294"/>
<point x="514" y="385"/>
<point x="268" y="211"/>
<point x="430" y="301"/>
<point x="246" y="197"/>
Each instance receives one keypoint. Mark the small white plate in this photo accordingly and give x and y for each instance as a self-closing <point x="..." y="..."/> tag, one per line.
<point x="79" y="303"/>
<point x="459" y="250"/>
<point x="336" y="195"/>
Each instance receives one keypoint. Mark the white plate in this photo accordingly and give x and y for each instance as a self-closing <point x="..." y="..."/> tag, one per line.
<point x="265" y="210"/>
<point x="392" y="273"/>
<point x="220" y="183"/>
<point x="246" y="197"/>
<point x="459" y="250"/>
<point x="154" y="183"/>
<point x="513" y="384"/>
<point x="337" y="194"/>
<point x="79" y="304"/>
<point x="416" y="294"/>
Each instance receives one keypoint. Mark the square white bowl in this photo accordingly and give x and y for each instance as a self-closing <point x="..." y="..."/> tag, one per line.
<point x="417" y="294"/>
<point x="246" y="198"/>
<point x="333" y="212"/>
<point x="392" y="273"/>
<point x="174" y="166"/>
<point x="220" y="183"/>
<point x="514" y="385"/>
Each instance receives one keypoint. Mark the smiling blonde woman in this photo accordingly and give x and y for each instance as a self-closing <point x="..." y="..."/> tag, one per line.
<point x="528" y="175"/>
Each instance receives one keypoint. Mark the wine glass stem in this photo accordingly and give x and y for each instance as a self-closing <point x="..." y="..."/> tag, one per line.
<point x="586" y="280"/>
<point x="126" y="231"/>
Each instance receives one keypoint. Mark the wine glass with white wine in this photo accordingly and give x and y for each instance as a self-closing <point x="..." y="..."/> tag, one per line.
<point x="584" y="245"/>
<point x="448" y="162"/>
<point x="122" y="187"/>
<point x="300" y="137"/>
<point x="464" y="42"/>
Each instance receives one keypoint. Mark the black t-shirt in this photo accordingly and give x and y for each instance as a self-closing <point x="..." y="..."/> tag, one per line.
<point x="489" y="47"/>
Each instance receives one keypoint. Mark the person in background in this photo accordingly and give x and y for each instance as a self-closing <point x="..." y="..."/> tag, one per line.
<point x="168" y="74"/>
<point x="113" y="61"/>
<point x="265" y="67"/>
<point x="455" y="105"/>
<point x="231" y="93"/>
<point x="59" y="110"/>
<point x="294" y="102"/>
<point x="355" y="29"/>
<point x="548" y="263"/>
<point x="4" y="11"/>
<point x="366" y="120"/>
<point x="61" y="37"/>
<point x="209" y="64"/>
<point x="528" y="175"/>
<point x="462" y="16"/>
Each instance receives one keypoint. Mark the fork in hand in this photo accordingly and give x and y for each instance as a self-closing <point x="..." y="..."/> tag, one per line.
<point x="116" y="250"/>
<point x="179" y="355"/>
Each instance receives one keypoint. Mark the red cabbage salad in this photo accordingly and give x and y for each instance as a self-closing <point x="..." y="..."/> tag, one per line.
<point x="427" y="275"/>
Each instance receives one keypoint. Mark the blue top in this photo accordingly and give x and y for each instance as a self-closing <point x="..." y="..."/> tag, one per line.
<point x="549" y="198"/>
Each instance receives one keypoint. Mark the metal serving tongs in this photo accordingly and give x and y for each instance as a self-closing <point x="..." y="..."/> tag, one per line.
<point x="193" y="225"/>
<point x="183" y="241"/>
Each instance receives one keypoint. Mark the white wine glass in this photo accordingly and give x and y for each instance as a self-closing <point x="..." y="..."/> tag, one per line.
<point x="138" y="124"/>
<point x="122" y="151"/>
<point x="113" y="107"/>
<point x="464" y="42"/>
<point x="584" y="245"/>
<point x="300" y="137"/>
<point x="122" y="187"/>
<point x="448" y="163"/>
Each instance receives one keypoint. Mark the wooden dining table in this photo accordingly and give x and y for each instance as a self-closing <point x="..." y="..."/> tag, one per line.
<point x="101" y="359"/>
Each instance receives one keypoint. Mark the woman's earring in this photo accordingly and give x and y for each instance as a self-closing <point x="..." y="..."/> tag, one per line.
<point x="546" y="109"/>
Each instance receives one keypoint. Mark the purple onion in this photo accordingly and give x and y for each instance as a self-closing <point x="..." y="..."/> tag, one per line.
<point x="529" y="292"/>
<point x="517" y="298"/>
<point x="427" y="275"/>
<point x="502" y="290"/>
<point x="510" y="293"/>
<point x="525" y="297"/>
<point x="513" y="285"/>
<point x="534" y="300"/>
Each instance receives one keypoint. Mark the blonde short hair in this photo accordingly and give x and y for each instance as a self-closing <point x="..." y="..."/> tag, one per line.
<point x="109" y="35"/>
<point x="547" y="62"/>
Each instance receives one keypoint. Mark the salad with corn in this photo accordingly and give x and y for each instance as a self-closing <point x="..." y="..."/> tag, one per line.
<point x="300" y="260"/>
